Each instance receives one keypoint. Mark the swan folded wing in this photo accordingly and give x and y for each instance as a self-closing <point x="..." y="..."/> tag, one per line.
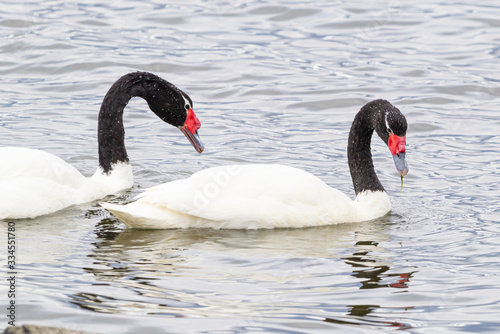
<point x="29" y="197"/>
<point x="248" y="196"/>
<point x="31" y="163"/>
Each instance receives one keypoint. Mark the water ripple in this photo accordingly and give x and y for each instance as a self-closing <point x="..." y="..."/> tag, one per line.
<point x="274" y="82"/>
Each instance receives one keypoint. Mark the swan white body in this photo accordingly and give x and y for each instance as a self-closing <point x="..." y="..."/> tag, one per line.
<point x="35" y="183"/>
<point x="248" y="197"/>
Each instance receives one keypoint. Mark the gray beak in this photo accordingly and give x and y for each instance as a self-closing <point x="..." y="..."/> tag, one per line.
<point x="401" y="164"/>
<point x="194" y="139"/>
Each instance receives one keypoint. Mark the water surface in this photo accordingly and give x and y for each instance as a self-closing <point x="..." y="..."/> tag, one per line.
<point x="272" y="82"/>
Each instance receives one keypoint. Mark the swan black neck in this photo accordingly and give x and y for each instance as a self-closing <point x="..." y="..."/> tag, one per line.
<point x="373" y="116"/>
<point x="163" y="98"/>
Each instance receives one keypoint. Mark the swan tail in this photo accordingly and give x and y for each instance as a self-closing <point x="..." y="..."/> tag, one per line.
<point x="146" y="216"/>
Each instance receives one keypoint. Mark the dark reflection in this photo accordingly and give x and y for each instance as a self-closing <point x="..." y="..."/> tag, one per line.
<point x="106" y="230"/>
<point x="372" y="266"/>
<point x="361" y="317"/>
<point x="372" y="273"/>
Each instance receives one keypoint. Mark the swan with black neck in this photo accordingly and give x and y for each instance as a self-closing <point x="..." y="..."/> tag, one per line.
<point x="276" y="196"/>
<point x="34" y="182"/>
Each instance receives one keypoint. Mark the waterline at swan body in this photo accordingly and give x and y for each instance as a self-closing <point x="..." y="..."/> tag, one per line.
<point x="35" y="183"/>
<point x="276" y="196"/>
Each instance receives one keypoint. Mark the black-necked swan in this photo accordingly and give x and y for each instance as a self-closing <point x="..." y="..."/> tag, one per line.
<point x="276" y="196"/>
<point x="34" y="182"/>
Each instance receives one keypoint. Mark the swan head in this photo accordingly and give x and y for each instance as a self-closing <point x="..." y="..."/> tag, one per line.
<point x="397" y="146"/>
<point x="174" y="107"/>
<point x="391" y="126"/>
<point x="190" y="129"/>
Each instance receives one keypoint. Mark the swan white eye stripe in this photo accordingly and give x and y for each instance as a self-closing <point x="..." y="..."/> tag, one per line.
<point x="186" y="102"/>
<point x="387" y="124"/>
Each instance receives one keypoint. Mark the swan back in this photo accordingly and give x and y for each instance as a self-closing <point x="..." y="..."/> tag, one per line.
<point x="23" y="162"/>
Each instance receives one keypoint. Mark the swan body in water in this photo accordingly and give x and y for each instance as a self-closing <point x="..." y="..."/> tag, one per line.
<point x="276" y="196"/>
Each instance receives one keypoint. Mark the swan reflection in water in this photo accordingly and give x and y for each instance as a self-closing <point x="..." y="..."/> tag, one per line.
<point x="373" y="272"/>
<point x="247" y="273"/>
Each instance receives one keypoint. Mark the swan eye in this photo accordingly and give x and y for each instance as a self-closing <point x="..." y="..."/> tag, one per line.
<point x="187" y="106"/>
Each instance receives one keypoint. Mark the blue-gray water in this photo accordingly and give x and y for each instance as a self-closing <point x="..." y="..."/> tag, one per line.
<point x="275" y="82"/>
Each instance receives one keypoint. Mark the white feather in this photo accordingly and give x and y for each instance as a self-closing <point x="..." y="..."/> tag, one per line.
<point x="34" y="183"/>
<point x="248" y="197"/>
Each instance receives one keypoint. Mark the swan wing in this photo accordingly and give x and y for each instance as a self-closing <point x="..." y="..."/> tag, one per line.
<point x="34" y="182"/>
<point x="239" y="196"/>
<point x="26" y="162"/>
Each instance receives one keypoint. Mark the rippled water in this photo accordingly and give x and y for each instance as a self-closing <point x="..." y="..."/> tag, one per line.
<point x="275" y="82"/>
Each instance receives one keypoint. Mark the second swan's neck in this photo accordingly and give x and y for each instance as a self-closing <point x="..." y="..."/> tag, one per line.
<point x="359" y="152"/>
